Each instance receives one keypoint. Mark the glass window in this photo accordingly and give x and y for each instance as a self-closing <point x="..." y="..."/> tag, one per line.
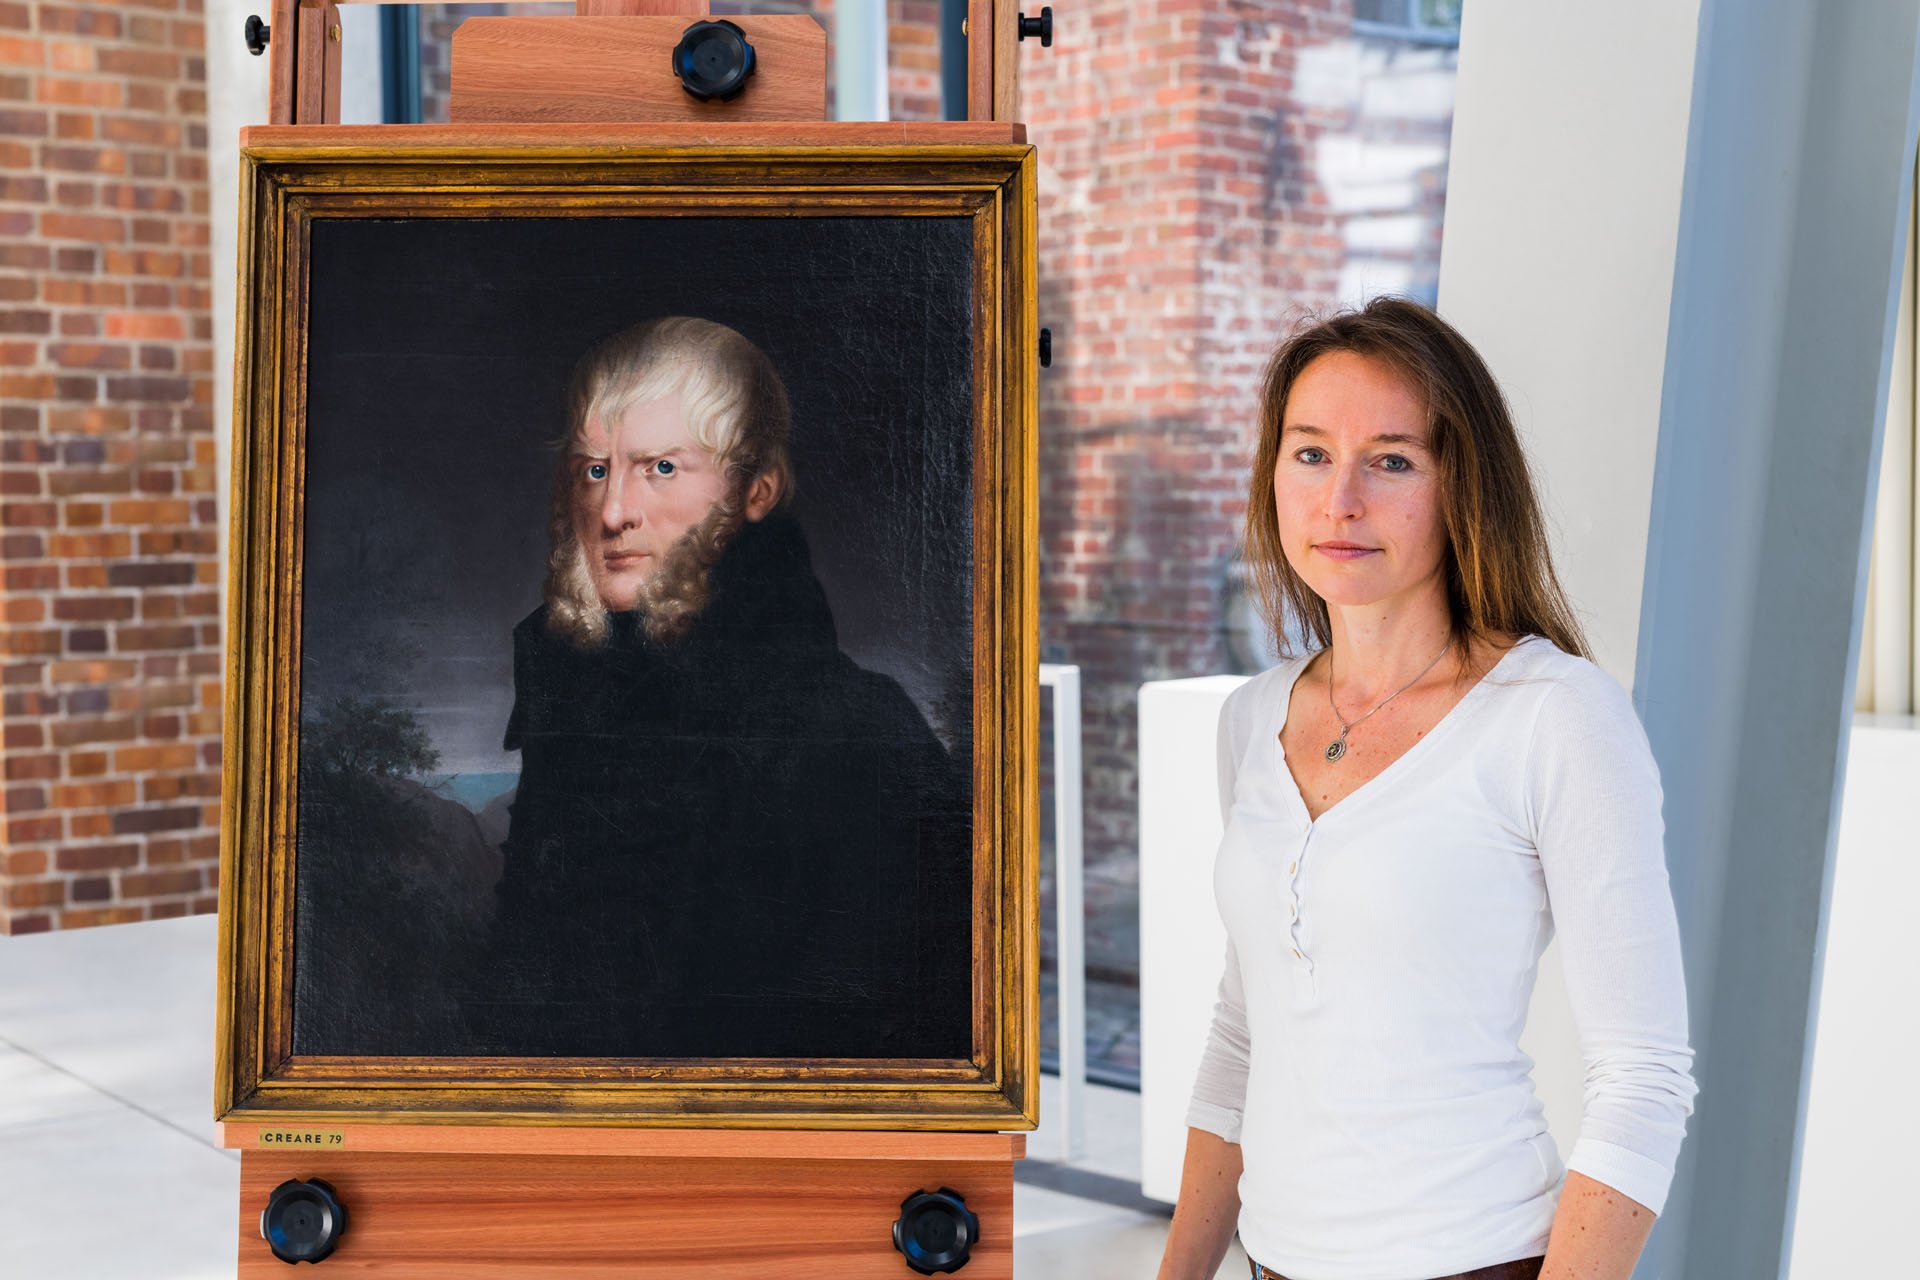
<point x="1432" y="21"/>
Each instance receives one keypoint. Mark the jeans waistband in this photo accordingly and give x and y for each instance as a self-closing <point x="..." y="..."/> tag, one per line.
<point x="1518" y="1269"/>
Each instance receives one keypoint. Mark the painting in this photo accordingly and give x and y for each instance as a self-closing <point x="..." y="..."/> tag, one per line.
<point x="630" y="711"/>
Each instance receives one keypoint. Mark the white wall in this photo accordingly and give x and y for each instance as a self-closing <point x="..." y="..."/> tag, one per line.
<point x="1863" y="1122"/>
<point x="1563" y="208"/>
<point x="1556" y="261"/>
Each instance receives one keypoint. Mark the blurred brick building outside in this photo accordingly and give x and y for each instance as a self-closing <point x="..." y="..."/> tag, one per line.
<point x="109" y="572"/>
<point x="1209" y="170"/>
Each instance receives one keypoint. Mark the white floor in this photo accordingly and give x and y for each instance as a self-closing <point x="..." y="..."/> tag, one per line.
<point x="108" y="1166"/>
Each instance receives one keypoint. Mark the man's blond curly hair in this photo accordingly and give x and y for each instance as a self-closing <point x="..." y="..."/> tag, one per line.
<point x="735" y="407"/>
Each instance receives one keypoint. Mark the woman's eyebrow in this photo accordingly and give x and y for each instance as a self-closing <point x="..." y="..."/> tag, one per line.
<point x="1392" y="437"/>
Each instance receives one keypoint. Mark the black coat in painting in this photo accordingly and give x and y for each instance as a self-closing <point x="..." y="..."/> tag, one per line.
<point x="741" y="844"/>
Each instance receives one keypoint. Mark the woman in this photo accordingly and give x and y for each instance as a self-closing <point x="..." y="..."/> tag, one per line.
<point x="1412" y="811"/>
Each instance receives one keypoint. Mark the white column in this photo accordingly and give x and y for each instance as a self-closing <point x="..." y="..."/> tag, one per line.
<point x="860" y="60"/>
<point x="360" y="99"/>
<point x="236" y="97"/>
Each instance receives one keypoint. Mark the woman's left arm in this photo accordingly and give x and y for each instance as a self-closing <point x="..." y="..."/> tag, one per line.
<point x="1593" y="792"/>
<point x="1597" y="1232"/>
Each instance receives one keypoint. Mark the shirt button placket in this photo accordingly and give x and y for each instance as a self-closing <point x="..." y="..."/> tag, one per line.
<point x="1293" y="901"/>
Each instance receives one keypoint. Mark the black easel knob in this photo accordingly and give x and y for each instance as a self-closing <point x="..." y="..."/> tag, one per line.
<point x="303" y="1221"/>
<point x="258" y="34"/>
<point x="935" y="1231"/>
<point x="1046" y="348"/>
<point x="713" y="60"/>
<point x="1041" y="26"/>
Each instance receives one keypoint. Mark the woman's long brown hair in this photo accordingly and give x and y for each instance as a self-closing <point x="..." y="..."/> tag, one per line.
<point x="1499" y="570"/>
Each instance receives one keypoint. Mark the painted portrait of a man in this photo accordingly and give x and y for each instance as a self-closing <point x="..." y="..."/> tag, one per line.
<point x="726" y="834"/>
<point x="638" y="644"/>
<point x="632" y="704"/>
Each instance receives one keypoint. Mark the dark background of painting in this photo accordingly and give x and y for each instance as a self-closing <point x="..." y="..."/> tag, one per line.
<point x="438" y="357"/>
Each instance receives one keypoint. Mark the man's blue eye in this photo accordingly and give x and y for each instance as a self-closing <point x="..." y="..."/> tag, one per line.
<point x="664" y="467"/>
<point x="596" y="471"/>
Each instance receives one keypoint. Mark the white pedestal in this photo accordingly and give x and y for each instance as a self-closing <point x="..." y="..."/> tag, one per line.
<point x="1182" y="942"/>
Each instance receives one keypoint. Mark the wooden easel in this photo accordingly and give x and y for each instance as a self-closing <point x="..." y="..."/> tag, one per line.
<point x="673" y="1204"/>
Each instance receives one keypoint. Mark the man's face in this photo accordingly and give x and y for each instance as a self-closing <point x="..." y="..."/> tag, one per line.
<point x="639" y="483"/>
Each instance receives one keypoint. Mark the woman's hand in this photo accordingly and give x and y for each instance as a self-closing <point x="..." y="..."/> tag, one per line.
<point x="1209" y="1206"/>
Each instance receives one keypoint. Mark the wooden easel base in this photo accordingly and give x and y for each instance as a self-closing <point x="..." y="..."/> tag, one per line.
<point x="676" y="1205"/>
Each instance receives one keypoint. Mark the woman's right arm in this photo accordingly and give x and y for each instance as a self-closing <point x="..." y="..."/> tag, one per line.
<point x="1209" y="1206"/>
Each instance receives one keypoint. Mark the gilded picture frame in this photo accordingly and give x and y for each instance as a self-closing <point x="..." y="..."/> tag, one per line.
<point x="562" y="227"/>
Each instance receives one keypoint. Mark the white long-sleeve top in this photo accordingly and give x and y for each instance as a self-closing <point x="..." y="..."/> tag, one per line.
<point x="1365" y="1049"/>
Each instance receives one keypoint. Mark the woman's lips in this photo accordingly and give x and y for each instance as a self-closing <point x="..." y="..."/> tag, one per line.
<point x="1343" y="550"/>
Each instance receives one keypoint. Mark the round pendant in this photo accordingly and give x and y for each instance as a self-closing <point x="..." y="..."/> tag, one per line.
<point x="1336" y="749"/>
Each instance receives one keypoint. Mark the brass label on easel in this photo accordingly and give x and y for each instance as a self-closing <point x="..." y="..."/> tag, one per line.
<point x="302" y="1138"/>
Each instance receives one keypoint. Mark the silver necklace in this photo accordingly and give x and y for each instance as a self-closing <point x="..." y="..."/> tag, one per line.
<point x="1338" y="747"/>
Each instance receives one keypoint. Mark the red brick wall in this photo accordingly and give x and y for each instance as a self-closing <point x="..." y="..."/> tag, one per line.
<point x="111" y="665"/>
<point x="1208" y="167"/>
<point x="913" y="59"/>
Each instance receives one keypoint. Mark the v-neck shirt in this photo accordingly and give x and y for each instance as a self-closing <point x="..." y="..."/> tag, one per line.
<point x="1380" y="960"/>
